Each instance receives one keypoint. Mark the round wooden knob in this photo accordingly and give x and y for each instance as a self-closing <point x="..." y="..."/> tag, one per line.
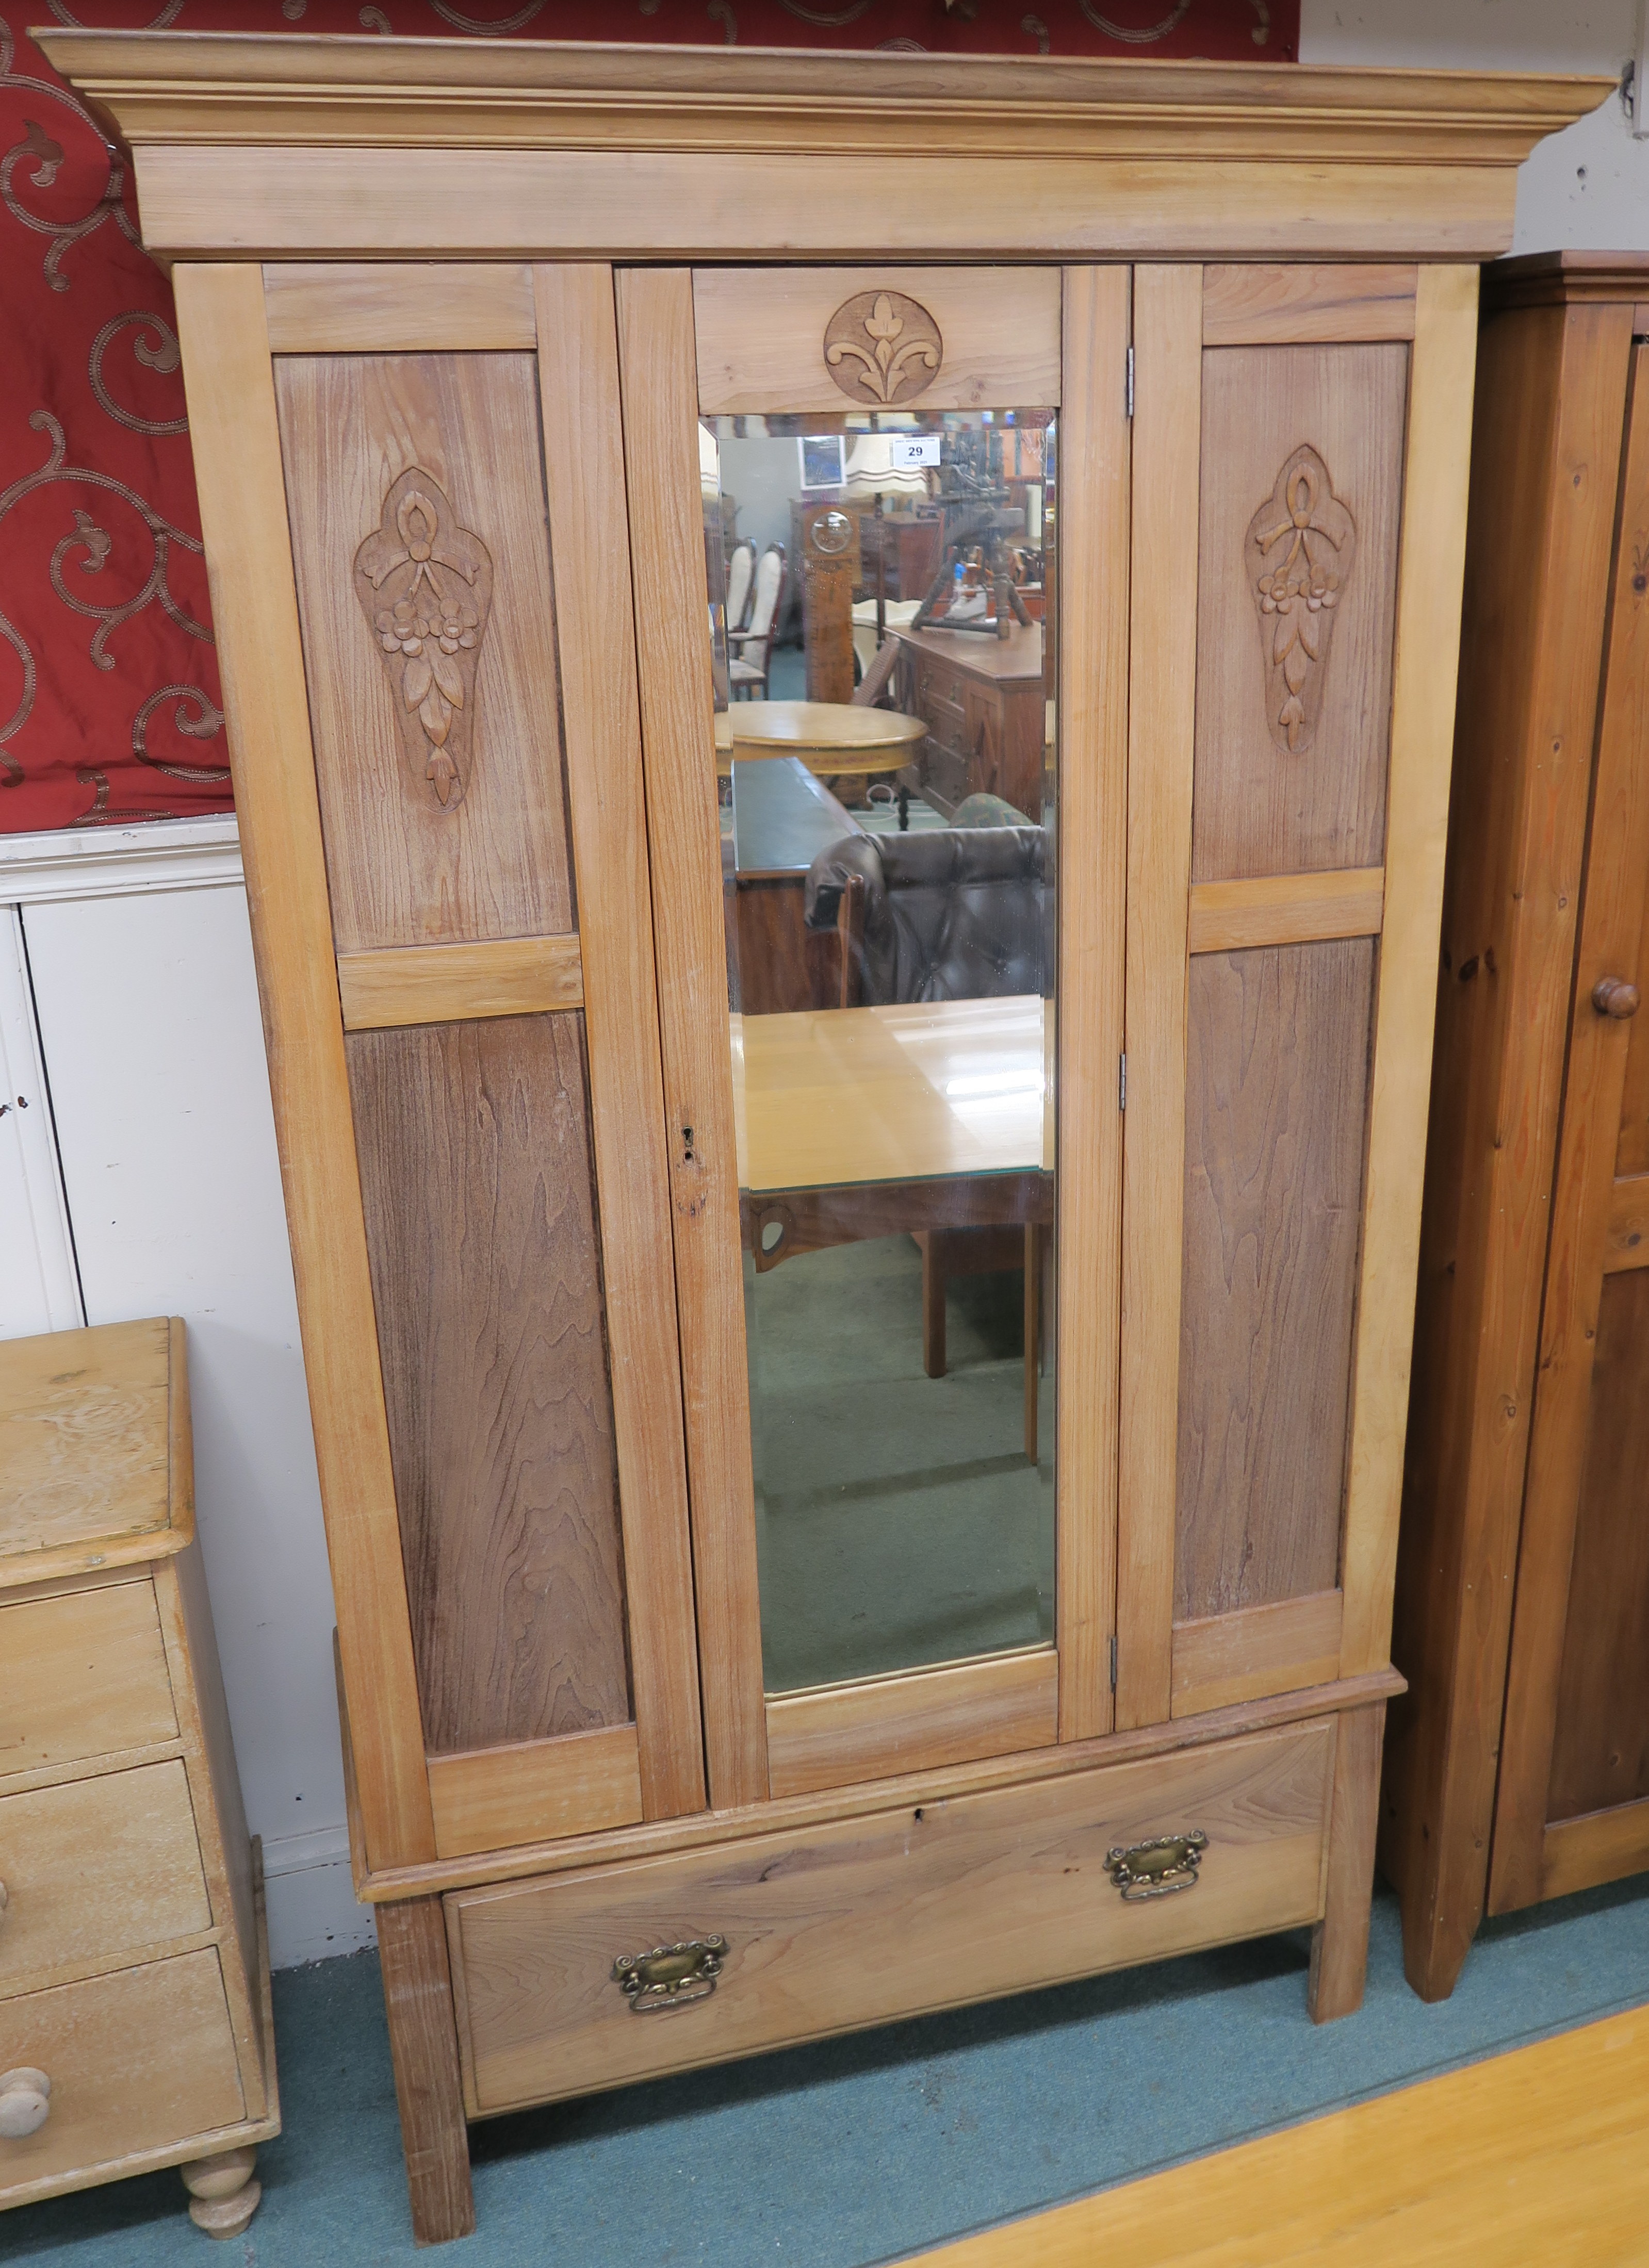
<point x="1613" y="995"/>
<point x="25" y="2103"/>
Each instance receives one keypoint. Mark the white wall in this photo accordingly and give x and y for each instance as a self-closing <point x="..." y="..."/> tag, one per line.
<point x="149" y="1029"/>
<point x="147" y="1017"/>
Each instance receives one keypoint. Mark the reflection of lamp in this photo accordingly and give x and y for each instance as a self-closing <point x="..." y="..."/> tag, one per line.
<point x="870" y="469"/>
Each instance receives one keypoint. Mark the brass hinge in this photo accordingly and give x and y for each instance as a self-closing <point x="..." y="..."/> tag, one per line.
<point x="1121" y="1082"/>
<point x="1130" y="381"/>
<point x="1113" y="1661"/>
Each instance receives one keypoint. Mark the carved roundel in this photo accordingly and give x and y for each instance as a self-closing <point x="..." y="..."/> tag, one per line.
<point x="882" y="346"/>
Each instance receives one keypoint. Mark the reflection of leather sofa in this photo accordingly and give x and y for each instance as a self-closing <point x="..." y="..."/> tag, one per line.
<point x="959" y="913"/>
<point x="952" y="914"/>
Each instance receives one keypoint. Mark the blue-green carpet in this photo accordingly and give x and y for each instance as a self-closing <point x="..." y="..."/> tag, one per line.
<point x="866" y="2148"/>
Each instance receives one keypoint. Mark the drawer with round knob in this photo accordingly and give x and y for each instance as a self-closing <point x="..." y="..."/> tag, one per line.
<point x="96" y="1872"/>
<point x="99" y="2073"/>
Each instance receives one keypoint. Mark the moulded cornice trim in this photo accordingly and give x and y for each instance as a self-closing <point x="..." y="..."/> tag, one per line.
<point x="238" y="88"/>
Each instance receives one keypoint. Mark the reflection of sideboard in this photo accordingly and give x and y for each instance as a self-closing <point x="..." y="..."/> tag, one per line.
<point x="981" y="700"/>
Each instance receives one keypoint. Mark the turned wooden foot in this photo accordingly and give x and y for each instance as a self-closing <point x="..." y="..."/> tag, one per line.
<point x="424" y="2048"/>
<point x="1339" y="1944"/>
<point x="223" y="2195"/>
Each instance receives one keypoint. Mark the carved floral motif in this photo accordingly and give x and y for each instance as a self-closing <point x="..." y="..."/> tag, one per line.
<point x="425" y="585"/>
<point x="1298" y="552"/>
<point x="881" y="346"/>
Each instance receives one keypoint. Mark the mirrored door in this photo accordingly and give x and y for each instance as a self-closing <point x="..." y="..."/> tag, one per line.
<point x="880" y="512"/>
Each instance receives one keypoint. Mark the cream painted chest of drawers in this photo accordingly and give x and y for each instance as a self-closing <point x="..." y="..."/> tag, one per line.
<point x="135" y="2028"/>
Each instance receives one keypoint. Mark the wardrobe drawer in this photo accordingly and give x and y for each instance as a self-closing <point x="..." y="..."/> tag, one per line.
<point x="82" y="1675"/>
<point x="137" y="2061"/>
<point x="99" y="1869"/>
<point x="858" y="1921"/>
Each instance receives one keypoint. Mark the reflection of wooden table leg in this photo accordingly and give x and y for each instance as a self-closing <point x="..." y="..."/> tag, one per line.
<point x="933" y="1282"/>
<point x="1032" y="1332"/>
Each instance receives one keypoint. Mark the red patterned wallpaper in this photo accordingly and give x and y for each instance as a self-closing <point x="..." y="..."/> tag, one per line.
<point x="108" y="684"/>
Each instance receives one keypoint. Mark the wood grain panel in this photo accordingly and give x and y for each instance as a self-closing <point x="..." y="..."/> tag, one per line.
<point x="1225" y="1659"/>
<point x="82" y="1675"/>
<point x="1577" y="1854"/>
<point x="138" y="2060"/>
<point x="404" y="868"/>
<point x="1161" y="726"/>
<point x="1009" y="1887"/>
<point x="236" y="440"/>
<point x="1551" y="391"/>
<point x="532" y="1792"/>
<point x="97" y="1871"/>
<point x="583" y="463"/>
<point x="1286" y="909"/>
<point x="1611" y="924"/>
<point x="1437" y="460"/>
<point x="1600" y="1752"/>
<point x="1260" y="809"/>
<point x="760" y="337"/>
<point x="659" y="387"/>
<point x="351" y="307"/>
<point x="86" y="1452"/>
<point x="1277" y="1087"/>
<point x="604" y="203"/>
<point x="476" y="1179"/>
<point x="1256" y="304"/>
<point x="1095" y="452"/>
<point x="886" y="1725"/>
<point x="452" y="984"/>
<point x="1628" y="1245"/>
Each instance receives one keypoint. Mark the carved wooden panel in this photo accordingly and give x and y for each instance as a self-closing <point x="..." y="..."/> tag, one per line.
<point x="1297" y="572"/>
<point x="477" y="1183"/>
<point x="797" y="339"/>
<point x="414" y="491"/>
<point x="1277" y="1084"/>
<point x="1600" y="1755"/>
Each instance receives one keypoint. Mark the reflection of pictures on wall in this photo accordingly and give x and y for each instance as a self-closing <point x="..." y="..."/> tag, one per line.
<point x="820" y="460"/>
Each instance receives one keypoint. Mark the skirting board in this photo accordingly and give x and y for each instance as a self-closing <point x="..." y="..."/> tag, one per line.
<point x="310" y="1893"/>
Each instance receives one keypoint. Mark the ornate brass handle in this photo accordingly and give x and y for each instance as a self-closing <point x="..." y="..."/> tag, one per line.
<point x="1156" y="1869"/>
<point x="671" y="1976"/>
<point x="1613" y="995"/>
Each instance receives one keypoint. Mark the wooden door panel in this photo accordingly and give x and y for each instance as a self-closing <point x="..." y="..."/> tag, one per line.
<point x="1280" y="964"/>
<point x="418" y="855"/>
<point x="1601" y="1757"/>
<point x="476" y="1176"/>
<point x="1575" y="1723"/>
<point x="1276" y="1110"/>
<point x="1302" y="460"/>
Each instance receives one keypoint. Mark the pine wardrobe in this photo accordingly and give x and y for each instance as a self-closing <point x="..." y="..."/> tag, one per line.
<point x="726" y="1659"/>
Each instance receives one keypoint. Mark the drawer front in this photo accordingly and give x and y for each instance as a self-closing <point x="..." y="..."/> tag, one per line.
<point x="859" y="1921"/>
<point x="942" y="682"/>
<point x="82" y="1675"/>
<point x="137" y="2061"/>
<point x="96" y="1869"/>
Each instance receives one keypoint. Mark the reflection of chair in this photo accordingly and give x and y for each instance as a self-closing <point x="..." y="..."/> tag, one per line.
<point x="741" y="573"/>
<point x="747" y="670"/>
<point x="956" y="914"/>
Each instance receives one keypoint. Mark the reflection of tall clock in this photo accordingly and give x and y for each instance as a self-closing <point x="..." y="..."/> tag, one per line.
<point x="830" y="571"/>
<point x="831" y="530"/>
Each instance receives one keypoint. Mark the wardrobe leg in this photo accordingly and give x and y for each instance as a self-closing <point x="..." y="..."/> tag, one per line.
<point x="1339" y="1944"/>
<point x="423" y="2047"/>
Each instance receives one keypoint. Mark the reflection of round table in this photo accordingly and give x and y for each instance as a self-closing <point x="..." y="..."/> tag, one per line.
<point x="832" y="738"/>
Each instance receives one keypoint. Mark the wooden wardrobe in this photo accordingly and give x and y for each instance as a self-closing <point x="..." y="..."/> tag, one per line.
<point x="1518" y="1761"/>
<point x="637" y="1782"/>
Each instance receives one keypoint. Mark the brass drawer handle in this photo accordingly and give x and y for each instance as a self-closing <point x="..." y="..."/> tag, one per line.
<point x="671" y="1976"/>
<point x="1156" y="1869"/>
<point x="26" y="2101"/>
